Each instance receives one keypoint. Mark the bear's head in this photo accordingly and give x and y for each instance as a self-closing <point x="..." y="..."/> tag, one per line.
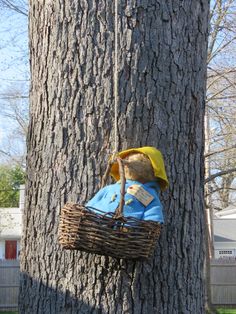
<point x="138" y="167"/>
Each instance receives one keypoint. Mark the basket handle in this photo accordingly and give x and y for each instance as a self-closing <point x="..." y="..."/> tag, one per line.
<point x="119" y="210"/>
<point x="106" y="174"/>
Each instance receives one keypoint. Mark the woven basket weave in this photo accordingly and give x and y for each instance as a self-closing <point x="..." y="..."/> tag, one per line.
<point x="110" y="234"/>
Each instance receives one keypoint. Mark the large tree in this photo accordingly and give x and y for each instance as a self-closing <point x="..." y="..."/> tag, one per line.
<point x="162" y="71"/>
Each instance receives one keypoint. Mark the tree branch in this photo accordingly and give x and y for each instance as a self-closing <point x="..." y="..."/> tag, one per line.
<point x="219" y="174"/>
<point x="219" y="151"/>
<point x="10" y="5"/>
<point x="219" y="189"/>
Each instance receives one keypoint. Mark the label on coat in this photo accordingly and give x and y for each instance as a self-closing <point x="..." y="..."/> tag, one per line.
<point x="141" y="194"/>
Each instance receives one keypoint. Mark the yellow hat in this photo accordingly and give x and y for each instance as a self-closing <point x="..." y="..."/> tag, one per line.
<point x="156" y="159"/>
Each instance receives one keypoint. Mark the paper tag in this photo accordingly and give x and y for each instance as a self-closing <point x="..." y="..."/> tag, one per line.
<point x="141" y="194"/>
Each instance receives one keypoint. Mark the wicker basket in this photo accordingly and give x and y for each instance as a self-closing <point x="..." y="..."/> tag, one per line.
<point x="110" y="234"/>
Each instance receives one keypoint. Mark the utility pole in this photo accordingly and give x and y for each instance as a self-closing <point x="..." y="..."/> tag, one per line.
<point x="209" y="241"/>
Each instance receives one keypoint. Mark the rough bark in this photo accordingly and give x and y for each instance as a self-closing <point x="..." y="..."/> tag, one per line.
<point x="162" y="64"/>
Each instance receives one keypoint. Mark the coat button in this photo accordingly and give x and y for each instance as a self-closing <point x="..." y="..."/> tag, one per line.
<point x="113" y="197"/>
<point x="128" y="202"/>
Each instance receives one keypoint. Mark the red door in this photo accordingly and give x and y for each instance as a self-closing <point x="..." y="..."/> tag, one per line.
<point x="10" y="249"/>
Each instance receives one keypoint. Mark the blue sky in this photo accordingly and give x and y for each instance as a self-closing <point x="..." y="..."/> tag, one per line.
<point x="13" y="46"/>
<point x="14" y="68"/>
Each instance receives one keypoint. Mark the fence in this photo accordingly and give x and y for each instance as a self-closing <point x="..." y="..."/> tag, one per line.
<point x="9" y="284"/>
<point x="223" y="282"/>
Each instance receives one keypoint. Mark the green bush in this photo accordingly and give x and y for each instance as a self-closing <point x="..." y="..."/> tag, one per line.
<point x="10" y="180"/>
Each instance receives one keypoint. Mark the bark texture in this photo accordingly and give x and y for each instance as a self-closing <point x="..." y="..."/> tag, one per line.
<point x="162" y="64"/>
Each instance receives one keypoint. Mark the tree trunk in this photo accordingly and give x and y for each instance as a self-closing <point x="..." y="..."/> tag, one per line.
<point x="162" y="71"/>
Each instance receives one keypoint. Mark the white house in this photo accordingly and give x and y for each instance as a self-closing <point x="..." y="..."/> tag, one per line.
<point x="11" y="229"/>
<point x="224" y="237"/>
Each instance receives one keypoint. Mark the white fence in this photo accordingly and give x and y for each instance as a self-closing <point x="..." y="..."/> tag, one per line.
<point x="9" y="284"/>
<point x="223" y="282"/>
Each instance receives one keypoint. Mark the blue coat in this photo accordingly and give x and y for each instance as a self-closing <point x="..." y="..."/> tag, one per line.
<point x="108" y="199"/>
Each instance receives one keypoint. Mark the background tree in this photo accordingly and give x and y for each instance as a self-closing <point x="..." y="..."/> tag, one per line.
<point x="221" y="95"/>
<point x="15" y="115"/>
<point x="10" y="180"/>
<point x="14" y="81"/>
<point x="162" y="71"/>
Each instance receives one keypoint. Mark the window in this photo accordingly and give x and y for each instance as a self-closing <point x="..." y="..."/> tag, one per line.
<point x="10" y="249"/>
<point x="229" y="252"/>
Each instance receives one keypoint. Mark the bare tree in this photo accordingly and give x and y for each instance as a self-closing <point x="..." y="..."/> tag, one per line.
<point x="15" y="115"/>
<point x="14" y="81"/>
<point x="221" y="95"/>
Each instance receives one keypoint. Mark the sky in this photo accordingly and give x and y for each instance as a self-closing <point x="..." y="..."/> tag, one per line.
<point x="14" y="69"/>
<point x="13" y="47"/>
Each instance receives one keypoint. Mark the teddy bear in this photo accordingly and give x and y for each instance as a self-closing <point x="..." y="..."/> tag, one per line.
<point x="145" y="177"/>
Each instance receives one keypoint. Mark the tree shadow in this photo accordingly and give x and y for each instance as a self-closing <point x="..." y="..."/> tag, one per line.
<point x="35" y="297"/>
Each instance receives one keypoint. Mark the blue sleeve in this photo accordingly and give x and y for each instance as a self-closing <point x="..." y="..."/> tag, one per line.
<point x="97" y="197"/>
<point x="154" y="212"/>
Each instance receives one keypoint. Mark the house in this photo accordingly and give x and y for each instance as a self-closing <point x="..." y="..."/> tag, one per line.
<point x="11" y="229"/>
<point x="227" y="213"/>
<point x="224" y="237"/>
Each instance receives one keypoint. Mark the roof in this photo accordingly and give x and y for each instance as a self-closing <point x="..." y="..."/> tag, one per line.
<point x="224" y="230"/>
<point x="10" y="223"/>
<point x="230" y="210"/>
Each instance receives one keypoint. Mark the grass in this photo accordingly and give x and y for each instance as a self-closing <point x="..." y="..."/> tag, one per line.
<point x="226" y="311"/>
<point x="8" y="312"/>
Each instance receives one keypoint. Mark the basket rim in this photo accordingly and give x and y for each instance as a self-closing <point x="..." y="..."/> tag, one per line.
<point x="110" y="215"/>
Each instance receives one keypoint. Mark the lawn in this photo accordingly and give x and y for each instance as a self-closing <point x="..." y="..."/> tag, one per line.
<point x="226" y="311"/>
<point x="8" y="312"/>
